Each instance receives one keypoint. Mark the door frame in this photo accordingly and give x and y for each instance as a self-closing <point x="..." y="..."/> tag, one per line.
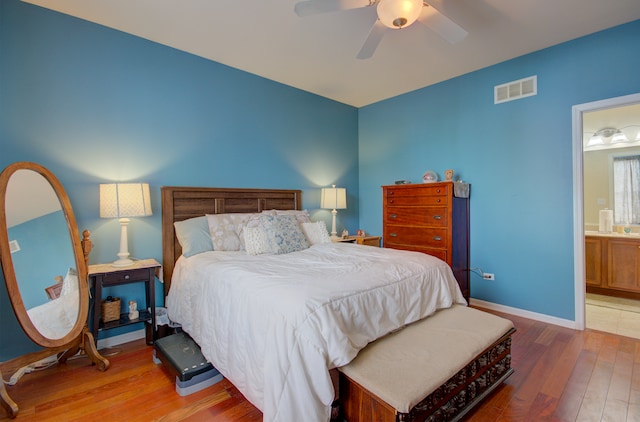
<point x="578" y="195"/>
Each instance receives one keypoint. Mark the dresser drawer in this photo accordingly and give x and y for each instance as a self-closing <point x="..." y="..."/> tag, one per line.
<point x="437" y="216"/>
<point x="131" y="275"/>
<point x="417" y="200"/>
<point x="438" y="253"/>
<point x="418" y="190"/>
<point x="419" y="236"/>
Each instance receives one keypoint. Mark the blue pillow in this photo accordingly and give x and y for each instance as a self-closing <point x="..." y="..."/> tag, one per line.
<point x="283" y="233"/>
<point x="193" y="235"/>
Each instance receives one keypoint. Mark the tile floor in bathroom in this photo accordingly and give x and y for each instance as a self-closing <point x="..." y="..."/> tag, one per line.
<point x="613" y="315"/>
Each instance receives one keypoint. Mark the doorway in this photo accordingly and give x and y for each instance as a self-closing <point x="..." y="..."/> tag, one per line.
<point x="602" y="313"/>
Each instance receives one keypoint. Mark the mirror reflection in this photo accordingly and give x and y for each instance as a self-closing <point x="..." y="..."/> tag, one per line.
<point x="42" y="254"/>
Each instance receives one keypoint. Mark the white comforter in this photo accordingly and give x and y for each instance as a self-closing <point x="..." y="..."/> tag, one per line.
<point x="275" y="324"/>
<point x="55" y="318"/>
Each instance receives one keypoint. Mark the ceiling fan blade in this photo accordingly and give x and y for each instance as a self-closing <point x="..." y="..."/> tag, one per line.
<point x="445" y="27"/>
<point x="373" y="39"/>
<point x="314" y="7"/>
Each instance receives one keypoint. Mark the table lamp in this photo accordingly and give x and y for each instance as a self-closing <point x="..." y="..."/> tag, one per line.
<point x="334" y="199"/>
<point x="123" y="200"/>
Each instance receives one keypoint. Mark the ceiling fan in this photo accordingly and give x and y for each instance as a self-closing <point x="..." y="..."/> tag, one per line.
<point x="394" y="14"/>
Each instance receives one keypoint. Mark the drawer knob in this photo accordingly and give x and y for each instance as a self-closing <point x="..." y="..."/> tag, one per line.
<point x="437" y="217"/>
<point x="390" y="192"/>
<point x="438" y="200"/>
<point x="393" y="215"/>
<point x="391" y="201"/>
<point x="438" y="238"/>
<point x="438" y="190"/>
<point x="393" y="234"/>
<point x="126" y="277"/>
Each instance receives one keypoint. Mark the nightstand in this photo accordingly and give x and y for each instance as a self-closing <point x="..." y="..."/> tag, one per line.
<point x="106" y="275"/>
<point x="363" y="240"/>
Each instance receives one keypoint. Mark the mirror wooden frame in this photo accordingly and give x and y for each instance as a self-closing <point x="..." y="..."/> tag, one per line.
<point x="79" y="338"/>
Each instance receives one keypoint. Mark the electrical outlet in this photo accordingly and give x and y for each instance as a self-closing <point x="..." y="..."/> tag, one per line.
<point x="488" y="276"/>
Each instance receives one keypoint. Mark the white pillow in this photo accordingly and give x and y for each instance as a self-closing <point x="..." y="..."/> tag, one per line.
<point x="316" y="232"/>
<point x="255" y="241"/>
<point x="70" y="283"/>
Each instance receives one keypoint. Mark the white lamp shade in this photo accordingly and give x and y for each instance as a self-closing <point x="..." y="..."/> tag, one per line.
<point x="595" y="140"/>
<point x="333" y="198"/>
<point x="399" y="13"/>
<point x="124" y="200"/>
<point x="619" y="137"/>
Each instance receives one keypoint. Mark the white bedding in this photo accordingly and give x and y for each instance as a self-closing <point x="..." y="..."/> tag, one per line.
<point x="55" y="318"/>
<point x="275" y="324"/>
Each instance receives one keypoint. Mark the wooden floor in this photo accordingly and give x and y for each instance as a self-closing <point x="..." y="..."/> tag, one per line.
<point x="560" y="375"/>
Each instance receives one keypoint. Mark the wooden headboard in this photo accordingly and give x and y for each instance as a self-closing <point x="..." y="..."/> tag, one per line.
<point x="181" y="203"/>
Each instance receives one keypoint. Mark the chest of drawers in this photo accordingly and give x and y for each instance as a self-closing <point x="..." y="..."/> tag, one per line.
<point x="429" y="218"/>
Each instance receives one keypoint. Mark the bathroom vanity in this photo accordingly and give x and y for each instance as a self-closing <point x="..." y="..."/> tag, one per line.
<point x="612" y="264"/>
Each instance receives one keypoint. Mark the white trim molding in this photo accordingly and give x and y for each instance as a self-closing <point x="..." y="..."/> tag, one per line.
<point x="121" y="339"/>
<point x="578" y="195"/>
<point x="526" y="314"/>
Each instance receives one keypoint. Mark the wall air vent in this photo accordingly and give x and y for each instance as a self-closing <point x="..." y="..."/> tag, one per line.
<point x="515" y="90"/>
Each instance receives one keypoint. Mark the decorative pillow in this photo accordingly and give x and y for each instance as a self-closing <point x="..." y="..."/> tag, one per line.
<point x="316" y="232"/>
<point x="250" y="221"/>
<point x="193" y="235"/>
<point x="70" y="283"/>
<point x="301" y="215"/>
<point x="283" y="233"/>
<point x="226" y="229"/>
<point x="255" y="241"/>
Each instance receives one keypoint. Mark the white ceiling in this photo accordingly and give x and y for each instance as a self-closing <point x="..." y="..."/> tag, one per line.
<point x="318" y="53"/>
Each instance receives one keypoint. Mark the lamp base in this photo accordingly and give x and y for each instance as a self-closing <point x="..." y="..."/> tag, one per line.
<point x="123" y="255"/>
<point x="334" y="232"/>
<point x="122" y="262"/>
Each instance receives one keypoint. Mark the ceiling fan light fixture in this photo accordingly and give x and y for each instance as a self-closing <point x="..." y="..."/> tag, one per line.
<point x="396" y="14"/>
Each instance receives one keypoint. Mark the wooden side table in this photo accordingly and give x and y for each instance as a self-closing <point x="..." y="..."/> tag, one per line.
<point x="105" y="275"/>
<point x="363" y="240"/>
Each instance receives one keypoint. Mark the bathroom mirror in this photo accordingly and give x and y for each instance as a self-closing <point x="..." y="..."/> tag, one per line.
<point x="44" y="268"/>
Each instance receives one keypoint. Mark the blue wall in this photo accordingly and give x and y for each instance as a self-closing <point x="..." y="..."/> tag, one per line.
<point x="45" y="241"/>
<point x="95" y="105"/>
<point x="516" y="155"/>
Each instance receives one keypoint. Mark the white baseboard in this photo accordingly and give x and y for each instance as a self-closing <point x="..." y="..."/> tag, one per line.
<point x="121" y="338"/>
<point x="525" y="314"/>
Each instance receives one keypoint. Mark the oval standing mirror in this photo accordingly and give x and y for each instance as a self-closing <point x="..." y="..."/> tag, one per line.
<point x="44" y="268"/>
<point x="40" y="259"/>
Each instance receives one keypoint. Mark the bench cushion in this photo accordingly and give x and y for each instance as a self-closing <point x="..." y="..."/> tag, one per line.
<point x="404" y="367"/>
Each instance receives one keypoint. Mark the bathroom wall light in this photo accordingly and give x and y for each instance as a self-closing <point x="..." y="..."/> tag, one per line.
<point x="619" y="137"/>
<point x="614" y="136"/>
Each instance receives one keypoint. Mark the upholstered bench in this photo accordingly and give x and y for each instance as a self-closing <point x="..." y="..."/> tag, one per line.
<point x="435" y="369"/>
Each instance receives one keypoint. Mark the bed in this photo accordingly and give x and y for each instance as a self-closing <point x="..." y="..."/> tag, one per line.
<point x="273" y="329"/>
<point x="56" y="317"/>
